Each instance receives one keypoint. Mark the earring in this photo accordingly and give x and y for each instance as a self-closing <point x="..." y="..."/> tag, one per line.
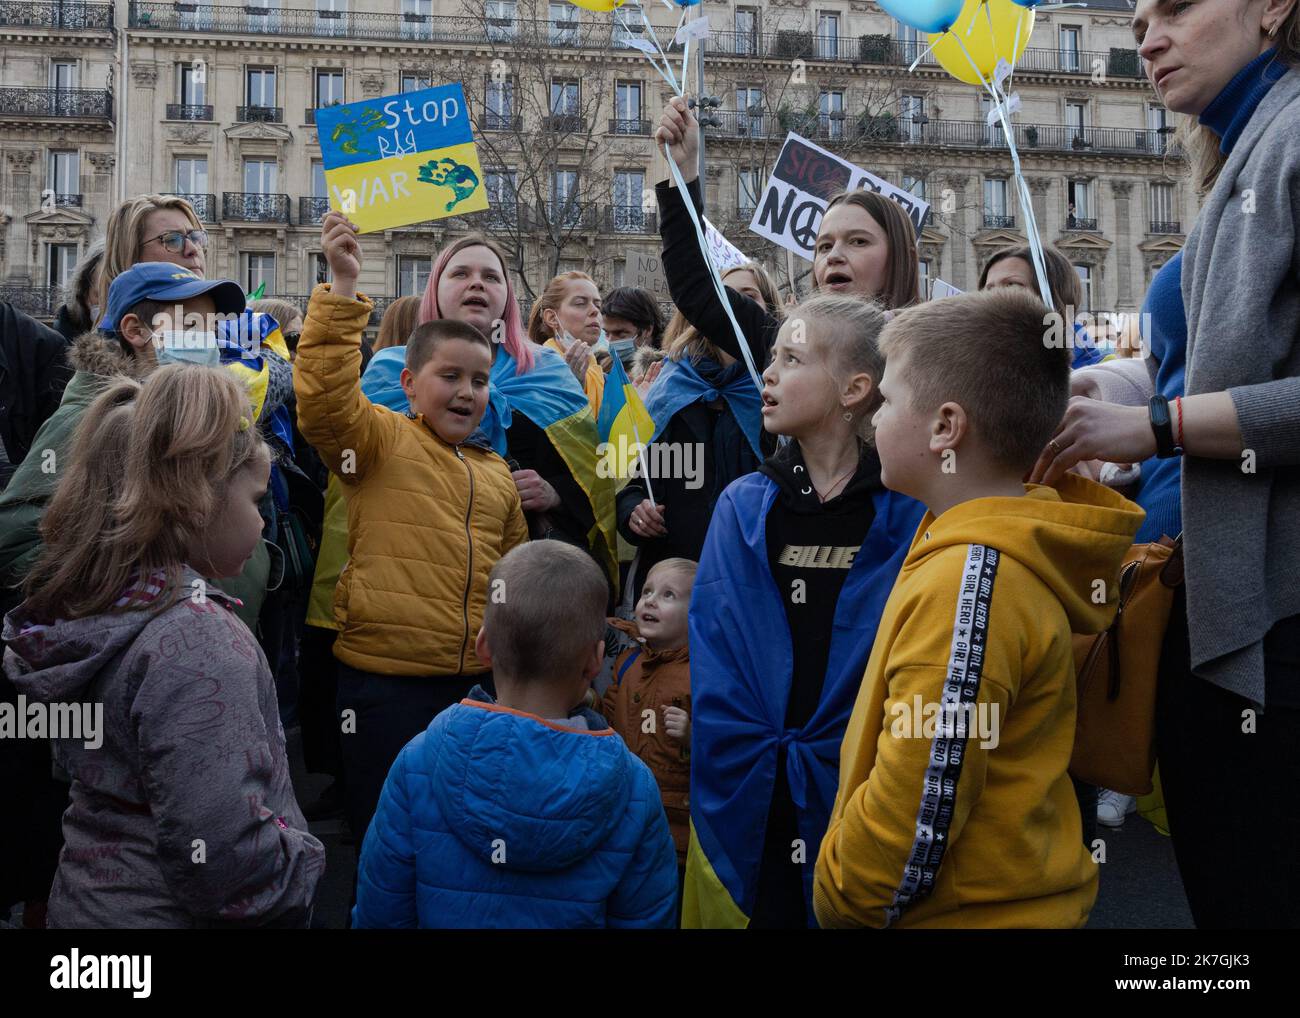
<point x="1273" y="31"/>
<point x="848" y="416"/>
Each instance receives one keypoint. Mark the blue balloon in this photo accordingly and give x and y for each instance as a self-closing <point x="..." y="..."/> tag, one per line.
<point x="925" y="15"/>
<point x="1031" y="4"/>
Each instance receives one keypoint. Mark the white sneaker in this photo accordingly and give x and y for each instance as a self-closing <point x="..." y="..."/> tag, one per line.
<point x="1113" y="807"/>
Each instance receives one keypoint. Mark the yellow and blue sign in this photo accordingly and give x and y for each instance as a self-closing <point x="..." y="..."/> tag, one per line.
<point x="401" y="159"/>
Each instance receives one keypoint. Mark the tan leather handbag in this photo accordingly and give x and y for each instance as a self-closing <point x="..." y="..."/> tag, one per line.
<point x="1117" y="670"/>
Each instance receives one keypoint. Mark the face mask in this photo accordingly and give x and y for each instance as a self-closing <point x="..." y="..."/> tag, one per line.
<point x="187" y="347"/>
<point x="624" y="350"/>
<point x="602" y="342"/>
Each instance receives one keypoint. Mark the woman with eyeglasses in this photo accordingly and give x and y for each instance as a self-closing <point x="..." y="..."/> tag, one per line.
<point x="152" y="228"/>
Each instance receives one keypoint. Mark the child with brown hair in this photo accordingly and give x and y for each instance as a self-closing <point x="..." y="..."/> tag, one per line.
<point x="649" y="700"/>
<point x="184" y="770"/>
<point x="954" y="806"/>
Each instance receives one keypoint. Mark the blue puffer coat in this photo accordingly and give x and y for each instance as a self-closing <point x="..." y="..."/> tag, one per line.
<point x="495" y="818"/>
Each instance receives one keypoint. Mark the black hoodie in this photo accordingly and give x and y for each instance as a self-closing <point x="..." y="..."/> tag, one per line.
<point x="810" y="546"/>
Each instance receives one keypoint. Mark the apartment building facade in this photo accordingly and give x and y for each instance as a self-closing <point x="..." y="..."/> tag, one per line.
<point x="216" y="102"/>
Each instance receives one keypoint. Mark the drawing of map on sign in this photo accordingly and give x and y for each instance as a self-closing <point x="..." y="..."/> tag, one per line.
<point x="401" y="159"/>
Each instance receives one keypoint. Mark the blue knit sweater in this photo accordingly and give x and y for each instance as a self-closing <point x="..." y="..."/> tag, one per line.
<point x="1226" y="116"/>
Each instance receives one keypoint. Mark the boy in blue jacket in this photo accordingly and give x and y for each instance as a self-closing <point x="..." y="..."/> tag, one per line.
<point x="523" y="812"/>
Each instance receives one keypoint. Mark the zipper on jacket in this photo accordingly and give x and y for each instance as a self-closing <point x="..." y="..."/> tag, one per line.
<point x="469" y="562"/>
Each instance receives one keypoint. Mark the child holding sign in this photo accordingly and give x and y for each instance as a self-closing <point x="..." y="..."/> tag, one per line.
<point x="796" y="568"/>
<point x="429" y="513"/>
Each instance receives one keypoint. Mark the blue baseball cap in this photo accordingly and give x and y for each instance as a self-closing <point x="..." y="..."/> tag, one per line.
<point x="164" y="281"/>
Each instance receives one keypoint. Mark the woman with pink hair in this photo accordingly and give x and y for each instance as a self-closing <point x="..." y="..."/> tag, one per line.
<point x="538" y="415"/>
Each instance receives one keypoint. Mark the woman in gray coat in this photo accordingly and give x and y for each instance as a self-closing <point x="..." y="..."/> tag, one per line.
<point x="1225" y="344"/>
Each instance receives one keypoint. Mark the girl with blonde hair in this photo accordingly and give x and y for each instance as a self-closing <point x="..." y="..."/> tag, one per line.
<point x="123" y="612"/>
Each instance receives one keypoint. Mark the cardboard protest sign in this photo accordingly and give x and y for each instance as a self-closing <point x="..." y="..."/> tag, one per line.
<point x="402" y="158"/>
<point x="725" y="254"/>
<point x="645" y="271"/>
<point x="805" y="176"/>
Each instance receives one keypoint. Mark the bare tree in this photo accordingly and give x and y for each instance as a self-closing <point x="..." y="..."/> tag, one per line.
<point x="538" y="127"/>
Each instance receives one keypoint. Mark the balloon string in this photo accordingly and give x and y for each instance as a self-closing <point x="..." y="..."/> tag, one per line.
<point x="923" y="54"/>
<point x="1026" y="201"/>
<point x="665" y="72"/>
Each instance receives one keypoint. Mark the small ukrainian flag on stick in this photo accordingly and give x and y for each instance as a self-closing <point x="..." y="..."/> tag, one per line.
<point x="623" y="420"/>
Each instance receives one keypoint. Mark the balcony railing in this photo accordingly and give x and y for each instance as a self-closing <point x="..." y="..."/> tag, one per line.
<point x="56" y="15"/>
<point x="301" y="300"/>
<point x="506" y="216"/>
<point x="312" y="210"/>
<point x="1080" y="224"/>
<point x="204" y="205"/>
<point x="262" y="114"/>
<point x="999" y="222"/>
<point x="630" y="219"/>
<point x="188" y="111"/>
<point x="242" y="207"/>
<point x="571" y="215"/>
<point x="490" y="120"/>
<point x="67" y="201"/>
<point x="888" y="129"/>
<point x="621" y="125"/>
<point x="565" y="123"/>
<point x="37" y="301"/>
<point x="75" y="103"/>
<point x="1166" y="226"/>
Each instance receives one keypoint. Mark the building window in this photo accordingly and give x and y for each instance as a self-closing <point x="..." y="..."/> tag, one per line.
<point x="319" y="189"/>
<point x="61" y="259"/>
<point x="828" y="35"/>
<point x="412" y="274"/>
<point x="503" y="198"/>
<point x="749" y="185"/>
<point x="191" y="175"/>
<point x="1070" y="37"/>
<point x="618" y="273"/>
<point x="191" y="85"/>
<point x="1164" y="215"/>
<point x="564" y="24"/>
<point x="1075" y="117"/>
<point x="564" y="98"/>
<point x="830" y="120"/>
<point x="412" y="82"/>
<point x="923" y="274"/>
<point x="916" y="185"/>
<point x="995" y="203"/>
<point x="629" y="189"/>
<point x="1085" y="285"/>
<point x="749" y="111"/>
<point x="417" y="20"/>
<point x="1079" y="214"/>
<point x="258" y="268"/>
<point x="259" y="176"/>
<point x="500" y="20"/>
<point x="331" y="17"/>
<point x="329" y="88"/>
<point x="565" y="208"/>
<point x="63" y="74"/>
<point x="64" y="174"/>
<point x="259" y="16"/>
<point x="261" y="87"/>
<point x="910" y="42"/>
<point x="911" y="116"/>
<point x="627" y="107"/>
<point x="745" y="41"/>
<point x="499" y="105"/>
<point x="321" y="269"/>
<point x="1158" y="127"/>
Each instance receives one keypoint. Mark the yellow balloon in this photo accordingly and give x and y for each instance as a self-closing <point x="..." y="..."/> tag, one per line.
<point x="1012" y="25"/>
<point x="603" y="6"/>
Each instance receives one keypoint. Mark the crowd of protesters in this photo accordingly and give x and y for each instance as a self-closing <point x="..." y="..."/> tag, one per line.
<point x="549" y="697"/>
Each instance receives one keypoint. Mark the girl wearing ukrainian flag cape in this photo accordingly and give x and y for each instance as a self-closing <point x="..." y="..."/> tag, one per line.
<point x="799" y="560"/>
<point x="538" y="415"/>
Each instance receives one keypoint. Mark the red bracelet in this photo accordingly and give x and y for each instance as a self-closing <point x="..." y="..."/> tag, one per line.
<point x="1178" y="402"/>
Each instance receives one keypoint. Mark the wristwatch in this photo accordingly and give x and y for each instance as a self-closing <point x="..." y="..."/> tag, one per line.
<point x="1162" y="425"/>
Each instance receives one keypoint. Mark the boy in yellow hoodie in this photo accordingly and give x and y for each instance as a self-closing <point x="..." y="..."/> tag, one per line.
<point x="430" y="511"/>
<point x="954" y="807"/>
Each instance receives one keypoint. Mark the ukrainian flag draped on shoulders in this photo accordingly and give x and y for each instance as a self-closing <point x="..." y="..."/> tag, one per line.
<point x="742" y="660"/>
<point x="680" y="383"/>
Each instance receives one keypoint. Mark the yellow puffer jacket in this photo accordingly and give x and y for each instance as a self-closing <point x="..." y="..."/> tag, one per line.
<point x="427" y="521"/>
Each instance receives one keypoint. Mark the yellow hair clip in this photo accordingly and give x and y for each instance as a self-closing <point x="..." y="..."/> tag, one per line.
<point x="244" y="424"/>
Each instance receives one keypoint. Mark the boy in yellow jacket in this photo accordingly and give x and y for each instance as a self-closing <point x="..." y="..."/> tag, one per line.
<point x="954" y="806"/>
<point x="429" y="514"/>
